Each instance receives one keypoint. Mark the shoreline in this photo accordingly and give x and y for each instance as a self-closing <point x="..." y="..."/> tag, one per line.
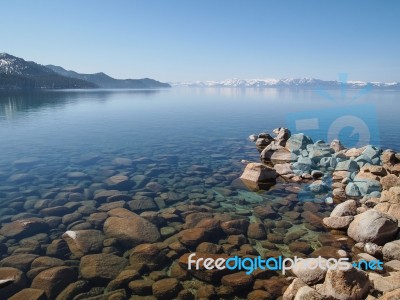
<point x="116" y="233"/>
<point x="364" y="185"/>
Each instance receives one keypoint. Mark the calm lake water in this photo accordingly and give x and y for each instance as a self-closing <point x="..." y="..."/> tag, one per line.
<point x="62" y="124"/>
<point x="187" y="141"/>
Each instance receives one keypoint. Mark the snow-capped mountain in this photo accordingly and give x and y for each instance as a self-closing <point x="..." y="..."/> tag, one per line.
<point x="11" y="65"/>
<point x="17" y="73"/>
<point x="286" y="83"/>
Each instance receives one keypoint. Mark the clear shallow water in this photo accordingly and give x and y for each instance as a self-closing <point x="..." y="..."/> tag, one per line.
<point x="190" y="141"/>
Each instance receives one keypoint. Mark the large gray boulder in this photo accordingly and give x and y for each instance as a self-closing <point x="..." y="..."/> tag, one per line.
<point x="278" y="156"/>
<point x="306" y="271"/>
<point x="390" y="181"/>
<point x="337" y="222"/>
<point x="308" y="293"/>
<point x="373" y="226"/>
<point x="372" y="152"/>
<point x="390" y="209"/>
<point x="390" y="202"/>
<point x="319" y="150"/>
<point x="366" y="186"/>
<point x="352" y="190"/>
<point x="391" y="250"/>
<point x="297" y="142"/>
<point x="350" y="284"/>
<point x="392" y="195"/>
<point x="304" y="164"/>
<point x="346" y="208"/>
<point x="292" y="289"/>
<point x="327" y="162"/>
<point x="347" y="165"/>
<point x="318" y="186"/>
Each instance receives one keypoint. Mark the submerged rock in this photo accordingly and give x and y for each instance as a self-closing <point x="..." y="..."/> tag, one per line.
<point x="83" y="242"/>
<point x="265" y="212"/>
<point x="13" y="281"/>
<point x="101" y="268"/>
<point x="129" y="228"/>
<point x="318" y="186"/>
<point x="141" y="287"/>
<point x="119" y="182"/>
<point x="19" y="261"/>
<point x="24" y="228"/>
<point x="52" y="281"/>
<point x="147" y="255"/>
<point x="256" y="231"/>
<point x="29" y="294"/>
<point x="166" y="289"/>
<point x="193" y="237"/>
<point x="211" y="276"/>
<point x="238" y="281"/>
<point x="26" y="162"/>
<point x="122" y="162"/>
<point x="239" y="226"/>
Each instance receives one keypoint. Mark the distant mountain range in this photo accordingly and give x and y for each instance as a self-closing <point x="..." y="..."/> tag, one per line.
<point x="287" y="83"/>
<point x="104" y="81"/>
<point x="16" y="73"/>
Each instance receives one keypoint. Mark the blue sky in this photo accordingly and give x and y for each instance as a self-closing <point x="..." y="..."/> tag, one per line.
<point x="200" y="40"/>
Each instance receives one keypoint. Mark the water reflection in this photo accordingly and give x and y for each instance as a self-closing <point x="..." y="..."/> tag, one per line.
<point x="13" y="102"/>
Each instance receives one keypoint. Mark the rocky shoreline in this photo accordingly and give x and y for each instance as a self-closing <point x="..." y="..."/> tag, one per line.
<point x="120" y="232"/>
<point x="364" y="184"/>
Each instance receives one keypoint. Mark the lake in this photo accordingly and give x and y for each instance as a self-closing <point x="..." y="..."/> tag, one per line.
<point x="178" y="150"/>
